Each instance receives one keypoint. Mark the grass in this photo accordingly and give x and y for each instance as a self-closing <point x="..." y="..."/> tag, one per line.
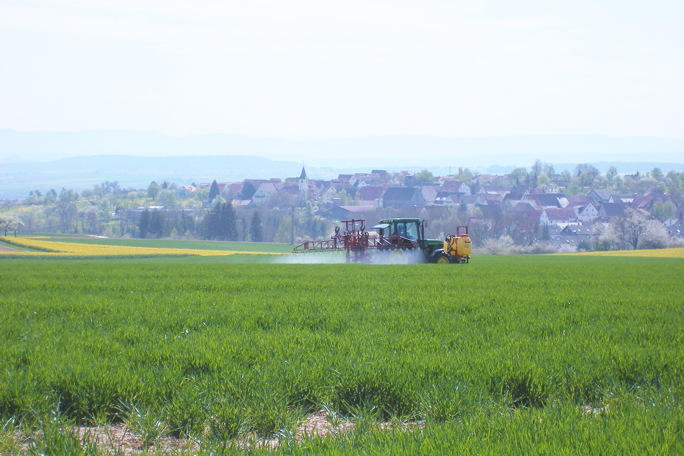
<point x="502" y="355"/>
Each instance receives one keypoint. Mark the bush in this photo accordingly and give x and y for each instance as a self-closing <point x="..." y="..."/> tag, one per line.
<point x="676" y="243"/>
<point x="498" y="246"/>
<point x="655" y="236"/>
<point x="535" y="249"/>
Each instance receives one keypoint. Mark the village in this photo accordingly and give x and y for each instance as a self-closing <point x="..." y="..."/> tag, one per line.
<point x="493" y="205"/>
<point x="533" y="211"/>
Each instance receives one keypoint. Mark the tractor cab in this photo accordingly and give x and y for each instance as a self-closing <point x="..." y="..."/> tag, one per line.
<point x="406" y="233"/>
<point x="410" y="229"/>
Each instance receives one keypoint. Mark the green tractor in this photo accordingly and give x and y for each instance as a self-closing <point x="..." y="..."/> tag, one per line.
<point x="408" y="234"/>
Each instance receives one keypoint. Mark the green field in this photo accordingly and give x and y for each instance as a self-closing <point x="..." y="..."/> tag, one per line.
<point x="504" y="355"/>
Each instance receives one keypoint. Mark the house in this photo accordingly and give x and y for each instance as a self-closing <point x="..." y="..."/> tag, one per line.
<point x="328" y="193"/>
<point x="397" y="197"/>
<point x="601" y="195"/>
<point x="484" y="179"/>
<point x="455" y="187"/>
<point x="560" y="216"/>
<point x="362" y="179"/>
<point x="494" y="189"/>
<point x="250" y="186"/>
<point x="383" y="175"/>
<point x="545" y="200"/>
<point x="488" y="199"/>
<point x="447" y="199"/>
<point x="539" y="217"/>
<point x="370" y="195"/>
<point x="230" y="190"/>
<point x="574" y="200"/>
<point x="522" y="206"/>
<point x="621" y="198"/>
<point x="429" y="193"/>
<point x="610" y="210"/>
<point x="586" y="212"/>
<point x="265" y="192"/>
<point x="468" y="200"/>
<point x="675" y="228"/>
<point x="521" y="190"/>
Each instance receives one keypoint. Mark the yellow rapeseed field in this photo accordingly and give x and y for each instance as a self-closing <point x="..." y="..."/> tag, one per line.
<point x="652" y="253"/>
<point x="73" y="249"/>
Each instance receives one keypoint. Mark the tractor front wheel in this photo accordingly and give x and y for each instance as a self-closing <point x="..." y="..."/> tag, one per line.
<point x="442" y="258"/>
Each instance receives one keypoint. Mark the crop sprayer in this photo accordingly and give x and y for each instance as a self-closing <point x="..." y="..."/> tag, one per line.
<point x="397" y="237"/>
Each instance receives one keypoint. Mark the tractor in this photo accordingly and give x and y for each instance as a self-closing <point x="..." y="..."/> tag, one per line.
<point x="397" y="237"/>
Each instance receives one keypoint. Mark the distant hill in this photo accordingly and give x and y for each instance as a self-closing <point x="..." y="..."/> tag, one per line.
<point x="43" y="160"/>
<point x="399" y="150"/>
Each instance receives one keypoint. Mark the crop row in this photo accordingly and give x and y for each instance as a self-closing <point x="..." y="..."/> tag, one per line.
<point x="50" y="248"/>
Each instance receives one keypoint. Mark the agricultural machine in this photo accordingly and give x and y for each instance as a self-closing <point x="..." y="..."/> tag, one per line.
<point x="397" y="237"/>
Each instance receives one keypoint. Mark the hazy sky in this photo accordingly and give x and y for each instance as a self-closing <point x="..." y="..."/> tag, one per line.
<point x="318" y="69"/>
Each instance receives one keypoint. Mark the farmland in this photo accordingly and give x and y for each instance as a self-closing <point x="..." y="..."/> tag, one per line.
<point x="513" y="354"/>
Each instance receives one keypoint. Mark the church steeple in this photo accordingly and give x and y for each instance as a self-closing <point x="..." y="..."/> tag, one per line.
<point x="303" y="186"/>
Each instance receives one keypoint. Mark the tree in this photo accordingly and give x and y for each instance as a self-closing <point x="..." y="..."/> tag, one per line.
<point x="519" y="176"/>
<point x="220" y="223"/>
<point x="663" y="211"/>
<point x="424" y="177"/>
<point x="50" y="196"/>
<point x="105" y="210"/>
<point x="464" y="175"/>
<point x="243" y="235"/>
<point x="157" y="224"/>
<point x="10" y="223"/>
<point x="536" y="171"/>
<point x="153" y="190"/>
<point x="611" y="173"/>
<point x="586" y="174"/>
<point x="255" y="229"/>
<point x="144" y="223"/>
<point x="66" y="208"/>
<point x="565" y="178"/>
<point x="5" y="223"/>
<point x="657" y="174"/>
<point x="213" y="191"/>
<point x="625" y="231"/>
<point x="89" y="216"/>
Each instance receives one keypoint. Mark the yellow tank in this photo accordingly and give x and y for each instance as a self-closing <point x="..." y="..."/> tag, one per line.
<point x="458" y="246"/>
<point x="450" y="245"/>
<point x="463" y="246"/>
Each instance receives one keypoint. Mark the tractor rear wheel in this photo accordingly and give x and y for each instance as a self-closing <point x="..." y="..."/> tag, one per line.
<point x="442" y="258"/>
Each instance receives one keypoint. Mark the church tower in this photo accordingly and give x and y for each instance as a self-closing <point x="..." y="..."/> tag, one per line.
<point x="303" y="186"/>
